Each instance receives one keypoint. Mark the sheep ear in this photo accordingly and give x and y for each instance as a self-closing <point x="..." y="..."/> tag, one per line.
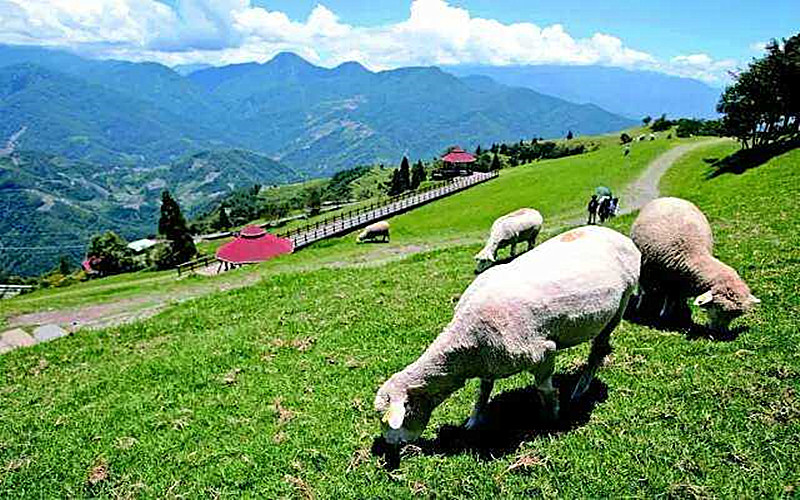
<point x="704" y="299"/>
<point x="395" y="414"/>
<point x="754" y="299"/>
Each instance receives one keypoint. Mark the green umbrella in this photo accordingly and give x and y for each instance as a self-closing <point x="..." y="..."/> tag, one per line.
<point x="602" y="191"/>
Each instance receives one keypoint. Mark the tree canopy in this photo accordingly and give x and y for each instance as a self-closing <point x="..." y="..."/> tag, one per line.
<point x="763" y="103"/>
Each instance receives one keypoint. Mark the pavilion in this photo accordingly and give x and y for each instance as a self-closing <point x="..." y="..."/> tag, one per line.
<point x="253" y="244"/>
<point x="456" y="162"/>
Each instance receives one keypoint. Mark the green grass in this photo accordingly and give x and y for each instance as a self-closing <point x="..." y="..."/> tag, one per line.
<point x="267" y="391"/>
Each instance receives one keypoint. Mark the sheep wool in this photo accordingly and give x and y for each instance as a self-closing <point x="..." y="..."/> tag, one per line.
<point x="676" y="242"/>
<point x="516" y="227"/>
<point x="514" y="318"/>
<point x="375" y="231"/>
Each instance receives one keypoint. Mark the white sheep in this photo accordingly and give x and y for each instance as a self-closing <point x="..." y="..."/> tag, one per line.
<point x="514" y="318"/>
<point x="641" y="138"/>
<point x="677" y="263"/>
<point x="652" y="137"/>
<point x="374" y="231"/>
<point x="517" y="227"/>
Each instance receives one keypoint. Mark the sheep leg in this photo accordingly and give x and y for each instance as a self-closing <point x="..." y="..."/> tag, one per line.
<point x="513" y="249"/>
<point x="477" y="417"/>
<point x="544" y="386"/>
<point x="601" y="348"/>
<point x="531" y="242"/>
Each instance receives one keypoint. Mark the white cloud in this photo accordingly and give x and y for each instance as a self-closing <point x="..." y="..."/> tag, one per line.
<point x="227" y="31"/>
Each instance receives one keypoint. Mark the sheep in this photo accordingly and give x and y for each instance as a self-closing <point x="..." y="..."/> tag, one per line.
<point x="677" y="263"/>
<point x="518" y="226"/>
<point x="374" y="231"/>
<point x="514" y="318"/>
<point x="652" y="137"/>
<point x="641" y="138"/>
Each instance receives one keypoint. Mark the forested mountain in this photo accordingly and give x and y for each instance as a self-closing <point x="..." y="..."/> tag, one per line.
<point x="314" y="119"/>
<point x="634" y="94"/>
<point x="56" y="204"/>
<point x="87" y="145"/>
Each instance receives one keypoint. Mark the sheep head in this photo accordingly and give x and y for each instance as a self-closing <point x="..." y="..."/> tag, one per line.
<point x="726" y="301"/>
<point x="403" y="415"/>
<point x="484" y="260"/>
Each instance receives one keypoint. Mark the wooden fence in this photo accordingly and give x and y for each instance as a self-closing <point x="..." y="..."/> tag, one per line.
<point x="363" y="216"/>
<point x="188" y="267"/>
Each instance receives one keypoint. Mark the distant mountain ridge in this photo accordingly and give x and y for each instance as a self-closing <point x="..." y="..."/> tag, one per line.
<point x="316" y="120"/>
<point x="634" y="94"/>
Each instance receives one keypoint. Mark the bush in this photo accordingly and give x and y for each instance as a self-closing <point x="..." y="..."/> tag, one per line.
<point x="110" y="254"/>
<point x="625" y="138"/>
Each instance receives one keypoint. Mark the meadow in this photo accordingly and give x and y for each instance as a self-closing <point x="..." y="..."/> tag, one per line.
<point x="267" y="390"/>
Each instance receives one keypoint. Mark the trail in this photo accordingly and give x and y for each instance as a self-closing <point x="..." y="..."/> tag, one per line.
<point x="641" y="191"/>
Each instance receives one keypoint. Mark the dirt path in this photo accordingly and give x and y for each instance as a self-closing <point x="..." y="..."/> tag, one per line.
<point x="636" y="195"/>
<point x="645" y="189"/>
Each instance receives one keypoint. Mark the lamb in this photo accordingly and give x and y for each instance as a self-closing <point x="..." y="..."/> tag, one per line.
<point x="677" y="263"/>
<point x="374" y="231"/>
<point x="514" y="318"/>
<point x="518" y="226"/>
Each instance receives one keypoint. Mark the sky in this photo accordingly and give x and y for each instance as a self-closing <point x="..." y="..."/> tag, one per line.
<point x="703" y="39"/>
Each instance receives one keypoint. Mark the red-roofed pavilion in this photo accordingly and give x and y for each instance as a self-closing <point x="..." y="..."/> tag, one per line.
<point x="253" y="245"/>
<point x="456" y="162"/>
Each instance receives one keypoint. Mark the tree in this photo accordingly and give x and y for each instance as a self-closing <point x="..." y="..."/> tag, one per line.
<point x="405" y="175"/>
<point x="65" y="265"/>
<point x="418" y="175"/>
<point x="624" y="138"/>
<point x="109" y="254"/>
<point x="495" y="163"/>
<point x="223" y="222"/>
<point x="646" y="120"/>
<point x="660" y="124"/>
<point x="172" y="226"/>
<point x="478" y="151"/>
<point x="569" y="135"/>
<point x="763" y="104"/>
<point x="313" y="196"/>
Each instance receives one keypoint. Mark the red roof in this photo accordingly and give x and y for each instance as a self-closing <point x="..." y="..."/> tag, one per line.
<point x="253" y="245"/>
<point x="458" y="155"/>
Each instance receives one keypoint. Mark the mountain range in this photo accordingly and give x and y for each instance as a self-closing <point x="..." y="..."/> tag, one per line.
<point x="634" y="94"/>
<point x="87" y="145"/>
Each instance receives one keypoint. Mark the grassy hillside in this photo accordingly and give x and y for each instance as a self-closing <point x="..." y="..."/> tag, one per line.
<point x="267" y="391"/>
<point x="559" y="188"/>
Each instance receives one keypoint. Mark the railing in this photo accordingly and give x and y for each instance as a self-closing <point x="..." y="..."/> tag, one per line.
<point x="188" y="267"/>
<point x="354" y="219"/>
<point x="8" y="291"/>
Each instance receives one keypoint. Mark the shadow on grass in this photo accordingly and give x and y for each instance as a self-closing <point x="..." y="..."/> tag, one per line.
<point x="746" y="159"/>
<point x="685" y="326"/>
<point x="512" y="418"/>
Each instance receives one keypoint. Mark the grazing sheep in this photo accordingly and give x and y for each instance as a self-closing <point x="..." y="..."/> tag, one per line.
<point x="641" y="138"/>
<point x="374" y="231"/>
<point x="677" y="262"/>
<point x="514" y="318"/>
<point x="518" y="226"/>
<point x="652" y="137"/>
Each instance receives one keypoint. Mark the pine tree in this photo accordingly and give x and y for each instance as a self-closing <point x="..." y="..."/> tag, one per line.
<point x="223" y="222"/>
<point x="172" y="225"/>
<point x="495" y="163"/>
<point x="569" y="135"/>
<point x="405" y="175"/>
<point x="418" y="174"/>
<point x="478" y="151"/>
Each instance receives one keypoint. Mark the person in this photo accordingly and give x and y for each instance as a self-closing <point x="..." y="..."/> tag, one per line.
<point x="592" y="210"/>
<point x="614" y="206"/>
<point x="604" y="208"/>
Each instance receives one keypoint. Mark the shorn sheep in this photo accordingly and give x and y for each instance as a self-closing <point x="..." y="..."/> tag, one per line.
<point x="519" y="226"/>
<point x="514" y="318"/>
<point x="374" y="231"/>
<point x="677" y="263"/>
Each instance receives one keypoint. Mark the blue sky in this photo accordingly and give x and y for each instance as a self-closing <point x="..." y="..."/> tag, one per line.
<point x="724" y="29"/>
<point x="703" y="39"/>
